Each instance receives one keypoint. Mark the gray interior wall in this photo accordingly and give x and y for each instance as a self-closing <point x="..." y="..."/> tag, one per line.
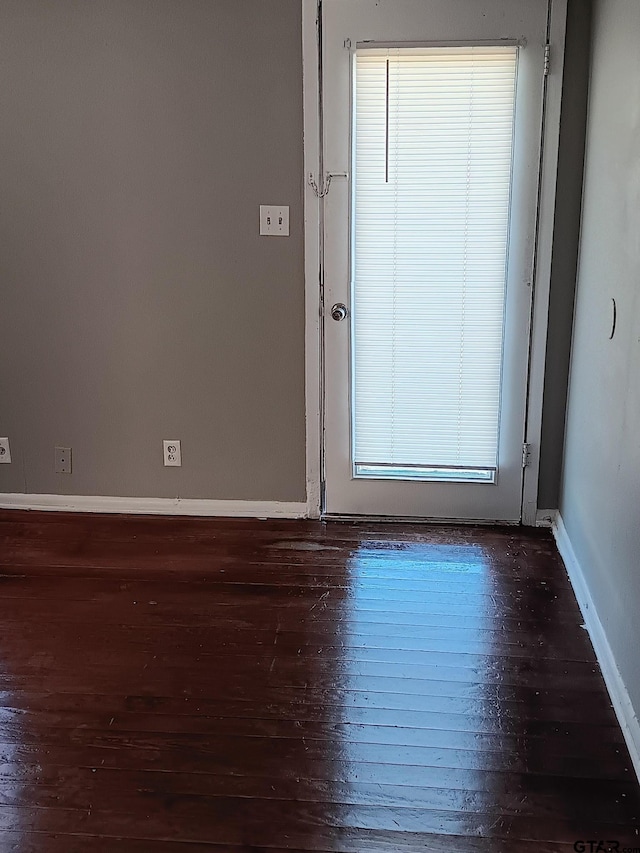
<point x="137" y="300"/>
<point x="600" y="498"/>
<point x="565" y="248"/>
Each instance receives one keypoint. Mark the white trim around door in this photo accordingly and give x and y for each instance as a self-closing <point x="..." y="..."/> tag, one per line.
<point x="312" y="164"/>
<point x="542" y="279"/>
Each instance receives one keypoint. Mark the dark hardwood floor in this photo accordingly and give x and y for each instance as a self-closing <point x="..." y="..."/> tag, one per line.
<point x="183" y="685"/>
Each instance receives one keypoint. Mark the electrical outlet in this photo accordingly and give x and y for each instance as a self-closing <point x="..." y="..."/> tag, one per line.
<point x="172" y="453"/>
<point x="63" y="460"/>
<point x="274" y="220"/>
<point x="5" y="450"/>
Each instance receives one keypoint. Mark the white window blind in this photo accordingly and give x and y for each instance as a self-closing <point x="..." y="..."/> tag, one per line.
<point x="432" y="157"/>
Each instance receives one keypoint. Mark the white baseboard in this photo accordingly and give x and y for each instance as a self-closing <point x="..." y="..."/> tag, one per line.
<point x="546" y="517"/>
<point x="155" y="506"/>
<point x="627" y="716"/>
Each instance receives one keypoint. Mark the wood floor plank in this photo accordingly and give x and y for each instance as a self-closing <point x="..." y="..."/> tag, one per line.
<point x="239" y="821"/>
<point x="292" y="669"/>
<point x="362" y="842"/>
<point x="384" y="762"/>
<point x="483" y="714"/>
<point x="81" y="789"/>
<point x="296" y="588"/>
<point x="361" y="647"/>
<point x="367" y="741"/>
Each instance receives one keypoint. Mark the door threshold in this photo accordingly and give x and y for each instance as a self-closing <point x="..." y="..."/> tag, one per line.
<point x="412" y="519"/>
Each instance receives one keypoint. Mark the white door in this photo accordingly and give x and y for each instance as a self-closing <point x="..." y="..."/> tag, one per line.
<point x="432" y="128"/>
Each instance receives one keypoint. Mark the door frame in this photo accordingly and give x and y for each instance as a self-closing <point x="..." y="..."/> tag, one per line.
<point x="313" y="225"/>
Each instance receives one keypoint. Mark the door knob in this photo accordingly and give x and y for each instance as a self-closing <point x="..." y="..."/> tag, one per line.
<point x="339" y="311"/>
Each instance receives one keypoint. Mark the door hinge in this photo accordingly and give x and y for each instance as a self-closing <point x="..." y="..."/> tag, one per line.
<point x="526" y="454"/>
<point x="547" y="59"/>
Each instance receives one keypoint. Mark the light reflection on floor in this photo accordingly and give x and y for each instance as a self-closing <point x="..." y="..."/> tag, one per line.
<point x="399" y="606"/>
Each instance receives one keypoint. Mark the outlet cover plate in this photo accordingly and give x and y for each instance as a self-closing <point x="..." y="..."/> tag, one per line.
<point x="63" y="460"/>
<point x="274" y="220"/>
<point x="172" y="453"/>
<point x="5" y="450"/>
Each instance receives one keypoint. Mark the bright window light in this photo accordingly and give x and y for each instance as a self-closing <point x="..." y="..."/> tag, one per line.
<point x="432" y="161"/>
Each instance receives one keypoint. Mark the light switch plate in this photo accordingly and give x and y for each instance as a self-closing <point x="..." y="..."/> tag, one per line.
<point x="274" y="220"/>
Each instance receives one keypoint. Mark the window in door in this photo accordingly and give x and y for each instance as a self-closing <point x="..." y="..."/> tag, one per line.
<point x="432" y="143"/>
